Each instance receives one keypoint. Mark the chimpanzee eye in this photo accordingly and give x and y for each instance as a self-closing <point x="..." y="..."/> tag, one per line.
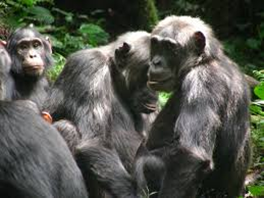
<point x="36" y="44"/>
<point x="23" y="46"/>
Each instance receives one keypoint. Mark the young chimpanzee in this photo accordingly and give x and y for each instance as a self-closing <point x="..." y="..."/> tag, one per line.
<point x="202" y="134"/>
<point x="30" y="53"/>
<point x="111" y="116"/>
<point x="35" y="160"/>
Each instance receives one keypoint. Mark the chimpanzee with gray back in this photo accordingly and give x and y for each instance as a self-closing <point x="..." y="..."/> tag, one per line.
<point x="30" y="53"/>
<point x="103" y="92"/>
<point x="202" y="134"/>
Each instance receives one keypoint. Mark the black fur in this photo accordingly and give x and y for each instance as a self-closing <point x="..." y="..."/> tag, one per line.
<point x="202" y="133"/>
<point x="107" y="112"/>
<point x="35" y="160"/>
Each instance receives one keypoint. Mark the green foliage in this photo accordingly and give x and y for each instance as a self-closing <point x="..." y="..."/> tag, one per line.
<point x="256" y="190"/>
<point x="94" y="33"/>
<point x="153" y="14"/>
<point x="68" y="32"/>
<point x="163" y="98"/>
<point x="183" y="7"/>
<point x="259" y="75"/>
<point x="56" y="70"/>
<point x="259" y="91"/>
<point x="257" y="134"/>
<point x="39" y="14"/>
<point x="147" y="14"/>
<point x="248" y="54"/>
<point x="32" y="2"/>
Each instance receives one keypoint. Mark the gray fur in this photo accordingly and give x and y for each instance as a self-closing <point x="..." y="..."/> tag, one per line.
<point x="207" y="118"/>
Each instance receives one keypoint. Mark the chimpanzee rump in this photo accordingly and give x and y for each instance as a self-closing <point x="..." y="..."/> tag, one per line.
<point x="108" y="114"/>
<point x="202" y="134"/>
<point x="30" y="53"/>
<point x="35" y="160"/>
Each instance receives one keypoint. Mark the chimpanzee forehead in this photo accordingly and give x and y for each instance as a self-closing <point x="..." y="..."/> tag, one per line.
<point x="25" y="33"/>
<point x="28" y="33"/>
<point x="28" y="40"/>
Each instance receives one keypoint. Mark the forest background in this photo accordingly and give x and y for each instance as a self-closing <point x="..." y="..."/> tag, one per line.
<point x="74" y="25"/>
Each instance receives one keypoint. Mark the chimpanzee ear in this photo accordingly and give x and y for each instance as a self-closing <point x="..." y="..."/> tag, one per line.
<point x="121" y="55"/>
<point x="49" y="43"/>
<point x="154" y="40"/>
<point x="200" y="41"/>
<point x="125" y="48"/>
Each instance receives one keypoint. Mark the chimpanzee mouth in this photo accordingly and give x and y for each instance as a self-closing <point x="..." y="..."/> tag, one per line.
<point x="35" y="70"/>
<point x="150" y="106"/>
<point x="33" y="67"/>
<point x="160" y="85"/>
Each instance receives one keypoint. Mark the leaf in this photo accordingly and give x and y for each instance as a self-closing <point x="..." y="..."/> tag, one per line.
<point x="41" y="14"/>
<point x="94" y="33"/>
<point x="259" y="90"/>
<point x="28" y="2"/>
<point x="256" y="109"/>
<point x="253" y="43"/>
<point x="59" y="64"/>
<point x="258" y="102"/>
<point x="256" y="190"/>
<point x="163" y="98"/>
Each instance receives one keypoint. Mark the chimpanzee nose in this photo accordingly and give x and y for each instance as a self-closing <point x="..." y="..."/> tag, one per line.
<point x="32" y="55"/>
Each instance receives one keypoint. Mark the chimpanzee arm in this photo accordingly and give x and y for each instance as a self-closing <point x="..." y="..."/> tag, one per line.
<point x="190" y="157"/>
<point x="199" y="116"/>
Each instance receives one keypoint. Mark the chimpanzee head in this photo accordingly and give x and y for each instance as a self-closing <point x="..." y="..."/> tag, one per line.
<point x="29" y="51"/>
<point x="132" y="60"/>
<point x="177" y="45"/>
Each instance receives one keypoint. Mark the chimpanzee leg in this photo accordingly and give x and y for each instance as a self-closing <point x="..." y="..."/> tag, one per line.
<point x="97" y="161"/>
<point x="225" y="181"/>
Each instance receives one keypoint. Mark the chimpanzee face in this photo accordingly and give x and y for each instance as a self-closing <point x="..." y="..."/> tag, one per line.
<point x="29" y="51"/>
<point x="165" y="60"/>
<point x="144" y="99"/>
<point x="133" y="64"/>
<point x="170" y="55"/>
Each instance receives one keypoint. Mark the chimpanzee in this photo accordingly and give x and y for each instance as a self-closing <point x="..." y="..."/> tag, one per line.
<point x="30" y="53"/>
<point x="111" y="121"/>
<point x="35" y="161"/>
<point x="202" y="134"/>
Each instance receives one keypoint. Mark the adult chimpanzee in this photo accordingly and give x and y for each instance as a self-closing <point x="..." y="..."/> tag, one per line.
<point x="35" y="161"/>
<point x="110" y="119"/>
<point x="202" y="134"/>
<point x="31" y="55"/>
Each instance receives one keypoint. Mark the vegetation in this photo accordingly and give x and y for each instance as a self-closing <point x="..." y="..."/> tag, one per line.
<point x="243" y="39"/>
